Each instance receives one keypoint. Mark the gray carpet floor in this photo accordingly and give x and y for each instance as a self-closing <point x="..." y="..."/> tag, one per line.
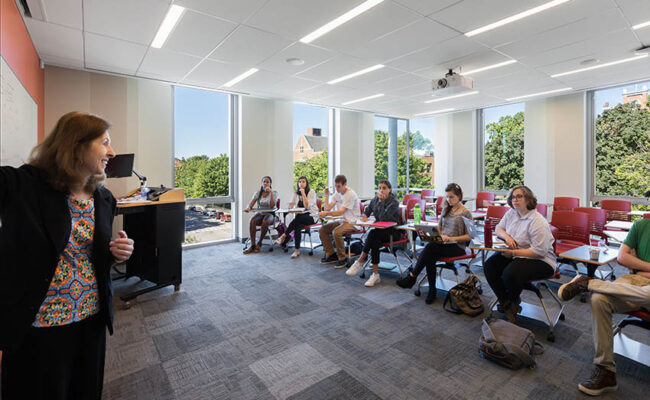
<point x="264" y="326"/>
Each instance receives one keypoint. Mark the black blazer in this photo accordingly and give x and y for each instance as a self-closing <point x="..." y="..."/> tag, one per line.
<point x="35" y="229"/>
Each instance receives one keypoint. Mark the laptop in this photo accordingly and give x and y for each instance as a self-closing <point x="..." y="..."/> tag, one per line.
<point x="429" y="233"/>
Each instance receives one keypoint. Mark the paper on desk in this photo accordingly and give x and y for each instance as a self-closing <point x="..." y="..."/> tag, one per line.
<point x="287" y="210"/>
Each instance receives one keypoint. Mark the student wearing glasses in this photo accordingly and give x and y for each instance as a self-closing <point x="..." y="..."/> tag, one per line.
<point x="530" y="256"/>
<point x="455" y="238"/>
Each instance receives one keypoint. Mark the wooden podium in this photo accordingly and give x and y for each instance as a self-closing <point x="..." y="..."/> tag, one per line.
<point x="158" y="230"/>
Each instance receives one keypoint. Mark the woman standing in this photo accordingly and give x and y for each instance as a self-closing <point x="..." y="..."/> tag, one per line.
<point x="304" y="197"/>
<point x="265" y="198"/>
<point x="531" y="256"/>
<point x="385" y="208"/>
<point x="454" y="236"/>
<point x="56" y="247"/>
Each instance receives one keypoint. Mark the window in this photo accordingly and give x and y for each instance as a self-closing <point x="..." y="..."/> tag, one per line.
<point x="621" y="139"/>
<point x="311" y="144"/>
<point x="421" y="162"/>
<point x="502" y="131"/>
<point x="202" y="162"/>
<point x="391" y="163"/>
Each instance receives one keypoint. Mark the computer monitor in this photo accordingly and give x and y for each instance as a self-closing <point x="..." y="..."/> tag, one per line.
<point x="120" y="166"/>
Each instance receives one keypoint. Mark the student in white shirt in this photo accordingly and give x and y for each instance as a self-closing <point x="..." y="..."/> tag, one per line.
<point x="346" y="203"/>
<point x="531" y="256"/>
<point x="265" y="198"/>
<point x="303" y="197"/>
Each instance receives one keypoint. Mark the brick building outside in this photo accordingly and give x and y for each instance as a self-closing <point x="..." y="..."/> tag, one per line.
<point x="310" y="144"/>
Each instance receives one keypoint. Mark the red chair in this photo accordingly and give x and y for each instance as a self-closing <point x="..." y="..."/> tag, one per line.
<point x="408" y="197"/>
<point x="646" y="216"/>
<point x="542" y="209"/>
<point x="439" y="202"/>
<point x="449" y="263"/>
<point x="597" y="221"/>
<point x="496" y="212"/>
<point x="349" y="237"/>
<point x="392" y="247"/>
<point x="572" y="230"/>
<point x="483" y="201"/>
<point x="493" y="216"/>
<point x="617" y="210"/>
<point x="410" y="209"/>
<point x="308" y="228"/>
<point x="428" y="195"/>
<point x="637" y="318"/>
<point x="565" y="203"/>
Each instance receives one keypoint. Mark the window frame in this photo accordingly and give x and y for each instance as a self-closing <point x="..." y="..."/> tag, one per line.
<point x="408" y="154"/>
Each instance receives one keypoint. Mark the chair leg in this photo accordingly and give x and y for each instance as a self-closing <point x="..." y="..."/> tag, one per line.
<point x="418" y="284"/>
<point x="551" y="335"/>
<point x="491" y="306"/>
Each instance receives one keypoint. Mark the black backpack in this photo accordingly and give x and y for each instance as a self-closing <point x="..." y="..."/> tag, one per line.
<point x="464" y="298"/>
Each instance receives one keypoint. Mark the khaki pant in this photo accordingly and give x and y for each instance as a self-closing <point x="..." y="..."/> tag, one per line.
<point x="626" y="294"/>
<point x="337" y="229"/>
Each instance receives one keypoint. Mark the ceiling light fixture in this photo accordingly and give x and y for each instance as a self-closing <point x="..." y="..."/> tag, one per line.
<point x="355" y="74"/>
<point x="363" y="99"/>
<point x="539" y="94"/>
<point x="501" y="64"/>
<point x="241" y="77"/>
<point x="609" y="64"/>
<point x="335" y="23"/>
<point x="451" y="97"/>
<point x="174" y="14"/>
<point x="435" y="112"/>
<point x="641" y="25"/>
<point x="516" y="17"/>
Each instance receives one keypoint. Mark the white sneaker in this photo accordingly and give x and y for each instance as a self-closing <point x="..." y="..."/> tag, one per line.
<point x="373" y="280"/>
<point x="355" y="268"/>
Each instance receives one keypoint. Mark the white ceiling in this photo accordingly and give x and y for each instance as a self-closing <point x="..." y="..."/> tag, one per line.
<point x="417" y="40"/>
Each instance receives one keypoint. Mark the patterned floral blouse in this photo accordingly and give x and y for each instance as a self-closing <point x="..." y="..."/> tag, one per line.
<point x="73" y="295"/>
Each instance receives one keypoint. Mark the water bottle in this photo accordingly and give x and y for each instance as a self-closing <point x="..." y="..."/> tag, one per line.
<point x="487" y="231"/>
<point x="416" y="214"/>
<point x="143" y="192"/>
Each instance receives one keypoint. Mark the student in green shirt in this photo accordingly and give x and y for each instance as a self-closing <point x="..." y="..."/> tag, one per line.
<point x="628" y="293"/>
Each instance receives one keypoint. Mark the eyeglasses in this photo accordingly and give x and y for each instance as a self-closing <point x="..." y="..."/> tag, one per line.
<point x="518" y="196"/>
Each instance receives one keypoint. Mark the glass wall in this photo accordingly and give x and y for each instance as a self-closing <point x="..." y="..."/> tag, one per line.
<point x="503" y="147"/>
<point x="202" y="162"/>
<point x="311" y="144"/>
<point x="422" y="158"/>
<point x="391" y="160"/>
<point x="621" y="118"/>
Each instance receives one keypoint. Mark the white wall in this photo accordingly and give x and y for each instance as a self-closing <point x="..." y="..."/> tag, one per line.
<point x="266" y="148"/>
<point x="356" y="151"/>
<point x="555" y="147"/>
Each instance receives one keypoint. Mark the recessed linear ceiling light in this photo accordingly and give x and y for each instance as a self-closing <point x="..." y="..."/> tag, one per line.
<point x="241" y="77"/>
<point x="355" y="74"/>
<point x="435" y="112"/>
<point x="363" y="99"/>
<point x="516" y="17"/>
<point x="501" y="64"/>
<point x="641" y="25"/>
<point x="539" y="94"/>
<point x="335" y="23"/>
<point x="451" y="97"/>
<point x="174" y="14"/>
<point x="609" y="64"/>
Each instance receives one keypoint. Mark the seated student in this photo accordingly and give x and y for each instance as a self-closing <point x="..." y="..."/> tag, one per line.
<point x="626" y="294"/>
<point x="304" y="197"/>
<point x="346" y="203"/>
<point x="385" y="207"/>
<point x="531" y="256"/>
<point x="452" y="229"/>
<point x="265" y="198"/>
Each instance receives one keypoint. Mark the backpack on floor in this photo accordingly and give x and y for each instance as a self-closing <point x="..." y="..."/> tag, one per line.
<point x="464" y="298"/>
<point x="508" y="344"/>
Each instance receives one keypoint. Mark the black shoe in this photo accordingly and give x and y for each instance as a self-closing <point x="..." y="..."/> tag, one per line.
<point x="407" y="282"/>
<point x="329" y="260"/>
<point x="579" y="284"/>
<point x="341" y="263"/>
<point x="431" y="297"/>
<point x="601" y="380"/>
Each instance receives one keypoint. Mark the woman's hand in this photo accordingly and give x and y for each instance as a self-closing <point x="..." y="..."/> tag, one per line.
<point x="122" y="247"/>
<point x="511" y="242"/>
<point x="323" y="214"/>
<point x="247" y="209"/>
<point x="445" y="238"/>
<point x="291" y="205"/>
<point x="364" y="218"/>
<point x="508" y="254"/>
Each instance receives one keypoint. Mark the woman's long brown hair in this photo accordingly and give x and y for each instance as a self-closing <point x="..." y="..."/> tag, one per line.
<point x="60" y="156"/>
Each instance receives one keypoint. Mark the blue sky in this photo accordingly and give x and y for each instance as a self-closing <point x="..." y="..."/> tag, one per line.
<point x="306" y="116"/>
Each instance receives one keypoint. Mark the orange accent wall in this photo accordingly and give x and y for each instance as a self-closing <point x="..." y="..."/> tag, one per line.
<point x="18" y="50"/>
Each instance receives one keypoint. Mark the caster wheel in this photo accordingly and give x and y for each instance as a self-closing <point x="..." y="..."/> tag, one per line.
<point x="583" y="298"/>
<point x="271" y="250"/>
<point x="177" y="288"/>
<point x="551" y="337"/>
<point x="127" y="305"/>
<point x="417" y="293"/>
<point x="613" y="277"/>
<point x="562" y="317"/>
<point x="363" y="275"/>
<point x="311" y="253"/>
<point x="480" y="291"/>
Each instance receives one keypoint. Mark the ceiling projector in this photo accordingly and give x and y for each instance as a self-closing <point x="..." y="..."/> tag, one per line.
<point x="452" y="83"/>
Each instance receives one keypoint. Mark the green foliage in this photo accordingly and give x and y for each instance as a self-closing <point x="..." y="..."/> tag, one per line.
<point x="418" y="168"/>
<point x="202" y="176"/>
<point x="315" y="169"/>
<point x="623" y="151"/>
<point x="504" y="152"/>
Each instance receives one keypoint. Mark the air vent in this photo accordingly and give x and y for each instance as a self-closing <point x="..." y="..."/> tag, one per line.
<point x="26" y="11"/>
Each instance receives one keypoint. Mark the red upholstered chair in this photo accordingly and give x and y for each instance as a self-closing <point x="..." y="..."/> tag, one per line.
<point x="565" y="203"/>
<point x="597" y="221"/>
<point x="411" y="205"/>
<point x="428" y="195"/>
<point x="542" y="209"/>
<point x="392" y="247"/>
<point x="617" y="209"/>
<point x="646" y="216"/>
<point x="637" y="318"/>
<point x="308" y="229"/>
<point x="408" y="197"/>
<point x="483" y="201"/>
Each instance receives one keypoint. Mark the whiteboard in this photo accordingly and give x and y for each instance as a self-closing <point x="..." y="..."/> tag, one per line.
<point x="18" y="119"/>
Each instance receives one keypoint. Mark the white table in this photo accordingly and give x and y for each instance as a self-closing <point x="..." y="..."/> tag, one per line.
<point x="625" y="225"/>
<point x="638" y="213"/>
<point x="619" y="236"/>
